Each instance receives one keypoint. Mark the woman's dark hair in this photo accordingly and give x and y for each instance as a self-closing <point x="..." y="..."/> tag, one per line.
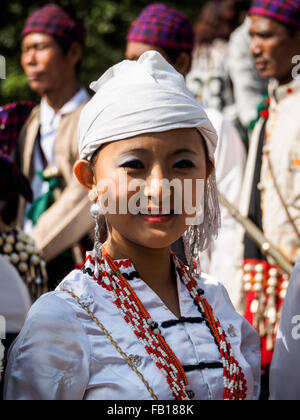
<point x="92" y="161"/>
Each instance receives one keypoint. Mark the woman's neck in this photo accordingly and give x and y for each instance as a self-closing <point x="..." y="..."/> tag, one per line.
<point x="153" y="265"/>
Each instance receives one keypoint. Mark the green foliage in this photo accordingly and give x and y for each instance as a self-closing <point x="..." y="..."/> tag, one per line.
<point x="106" y="21"/>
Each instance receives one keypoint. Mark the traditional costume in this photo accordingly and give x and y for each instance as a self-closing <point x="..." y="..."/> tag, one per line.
<point x="270" y="196"/>
<point x="47" y="150"/>
<point x="104" y="334"/>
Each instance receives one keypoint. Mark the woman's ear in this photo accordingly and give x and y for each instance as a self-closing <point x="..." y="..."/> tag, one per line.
<point x="84" y="173"/>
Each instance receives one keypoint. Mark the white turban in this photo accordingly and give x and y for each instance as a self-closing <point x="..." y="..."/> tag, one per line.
<point x="139" y="97"/>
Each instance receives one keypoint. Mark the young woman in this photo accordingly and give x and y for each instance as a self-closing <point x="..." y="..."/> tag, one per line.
<point x="135" y="323"/>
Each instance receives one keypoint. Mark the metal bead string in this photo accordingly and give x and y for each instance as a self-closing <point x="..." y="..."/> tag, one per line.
<point x="20" y="251"/>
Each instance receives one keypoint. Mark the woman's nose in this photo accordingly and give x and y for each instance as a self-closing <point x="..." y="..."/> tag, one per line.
<point x="154" y="183"/>
<point x="159" y="189"/>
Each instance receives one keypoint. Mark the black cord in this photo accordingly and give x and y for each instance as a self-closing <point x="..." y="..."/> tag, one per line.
<point x="194" y="320"/>
<point x="203" y="365"/>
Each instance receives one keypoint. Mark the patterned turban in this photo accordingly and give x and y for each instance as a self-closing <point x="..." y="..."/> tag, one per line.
<point x="163" y="27"/>
<point x="286" y="12"/>
<point x="51" y="19"/>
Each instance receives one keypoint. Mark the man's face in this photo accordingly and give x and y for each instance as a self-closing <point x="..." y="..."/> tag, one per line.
<point x="44" y="63"/>
<point x="272" y="48"/>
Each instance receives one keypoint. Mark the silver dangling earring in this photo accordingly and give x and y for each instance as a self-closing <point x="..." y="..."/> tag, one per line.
<point x="191" y="239"/>
<point x="197" y="238"/>
<point x="96" y="213"/>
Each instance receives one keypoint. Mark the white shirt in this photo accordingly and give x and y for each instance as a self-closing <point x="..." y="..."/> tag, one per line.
<point x="14" y="297"/>
<point x="61" y="353"/>
<point x="49" y="121"/>
<point x="283" y="123"/>
<point x="285" y="367"/>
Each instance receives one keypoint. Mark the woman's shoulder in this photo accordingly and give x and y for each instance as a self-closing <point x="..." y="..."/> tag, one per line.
<point x="55" y="316"/>
<point x="210" y="285"/>
<point x="58" y="304"/>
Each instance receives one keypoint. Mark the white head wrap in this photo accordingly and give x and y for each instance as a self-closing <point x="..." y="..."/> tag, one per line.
<point x="148" y="96"/>
<point x="139" y="97"/>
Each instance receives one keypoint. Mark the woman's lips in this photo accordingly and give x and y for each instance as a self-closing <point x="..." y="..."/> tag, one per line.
<point x="152" y="216"/>
<point x="157" y="218"/>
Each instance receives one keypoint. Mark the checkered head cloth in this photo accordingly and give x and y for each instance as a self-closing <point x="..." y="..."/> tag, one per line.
<point x="51" y="19"/>
<point x="283" y="11"/>
<point x="163" y="27"/>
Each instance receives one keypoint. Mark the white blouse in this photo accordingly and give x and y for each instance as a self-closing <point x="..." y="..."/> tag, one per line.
<point x="61" y="353"/>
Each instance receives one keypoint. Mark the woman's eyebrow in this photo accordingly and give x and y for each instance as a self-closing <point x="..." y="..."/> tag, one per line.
<point x="179" y="151"/>
<point x="142" y="150"/>
<point x="135" y="150"/>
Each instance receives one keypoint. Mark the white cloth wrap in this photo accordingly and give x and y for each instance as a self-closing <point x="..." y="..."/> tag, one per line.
<point x="138" y="97"/>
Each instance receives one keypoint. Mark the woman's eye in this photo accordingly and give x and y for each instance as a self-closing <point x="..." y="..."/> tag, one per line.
<point x="184" y="163"/>
<point x="133" y="164"/>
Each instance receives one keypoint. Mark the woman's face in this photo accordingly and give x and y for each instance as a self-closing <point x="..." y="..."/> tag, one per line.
<point x="148" y="186"/>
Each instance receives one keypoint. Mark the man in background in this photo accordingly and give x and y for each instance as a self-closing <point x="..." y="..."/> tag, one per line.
<point x="53" y="41"/>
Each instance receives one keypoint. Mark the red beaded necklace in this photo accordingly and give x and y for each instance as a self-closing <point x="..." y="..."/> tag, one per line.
<point x="148" y="334"/>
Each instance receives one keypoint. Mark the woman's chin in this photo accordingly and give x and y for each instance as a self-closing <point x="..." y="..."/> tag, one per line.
<point x="159" y="240"/>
